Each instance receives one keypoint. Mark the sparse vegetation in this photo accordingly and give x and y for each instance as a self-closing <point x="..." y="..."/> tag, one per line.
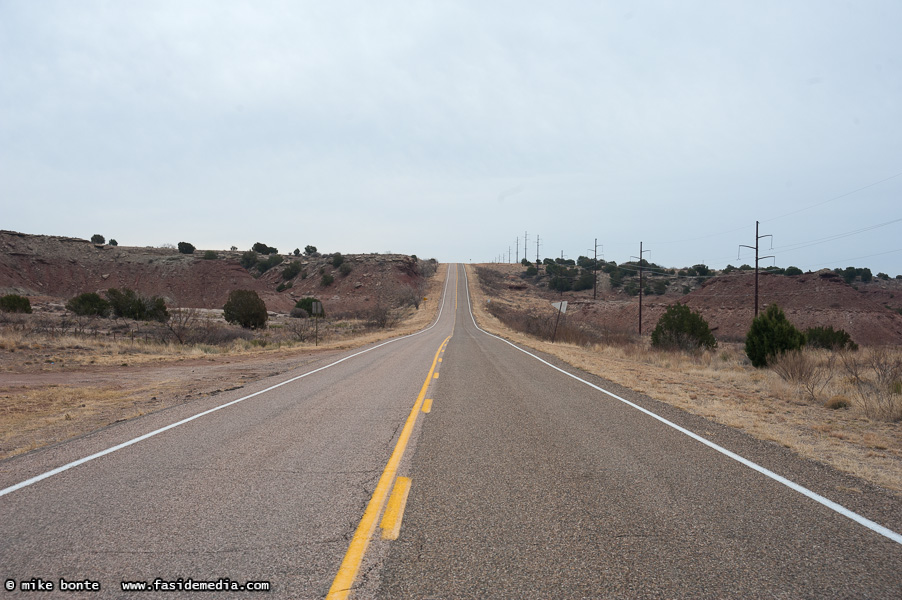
<point x="263" y="249"/>
<point x="292" y="270"/>
<point x="14" y="303"/>
<point x="345" y="269"/>
<point x="771" y="334"/>
<point x="829" y="338"/>
<point x="127" y="303"/>
<point x="326" y="280"/>
<point x="245" y="308"/>
<point x="337" y="259"/>
<point x="89" y="304"/>
<point x="683" y="329"/>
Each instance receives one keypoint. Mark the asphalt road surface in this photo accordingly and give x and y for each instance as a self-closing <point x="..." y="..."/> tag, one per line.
<point x="524" y="483"/>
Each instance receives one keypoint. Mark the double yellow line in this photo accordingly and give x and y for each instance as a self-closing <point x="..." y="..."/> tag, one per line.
<point x="350" y="566"/>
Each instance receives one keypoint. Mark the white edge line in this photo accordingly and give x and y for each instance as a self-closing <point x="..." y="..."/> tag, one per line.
<point x="876" y="527"/>
<point x="112" y="449"/>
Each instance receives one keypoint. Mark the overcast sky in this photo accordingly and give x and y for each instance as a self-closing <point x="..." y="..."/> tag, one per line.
<point x="448" y="129"/>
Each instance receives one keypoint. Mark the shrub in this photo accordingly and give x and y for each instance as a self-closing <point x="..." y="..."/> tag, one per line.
<point x="771" y="334"/>
<point x="98" y="239"/>
<point x="297" y="252"/>
<point x="827" y="337"/>
<point x="682" y="328"/>
<point x="113" y="243"/>
<point x="309" y="249"/>
<point x="245" y="308"/>
<point x="263" y="249"/>
<point x="337" y="260"/>
<point x="882" y="276"/>
<point x="792" y="271"/>
<point x="89" y="303"/>
<point x="586" y="281"/>
<point x="210" y="255"/>
<point x="306" y="304"/>
<point x="129" y="304"/>
<point x="701" y="270"/>
<point x="292" y="270"/>
<point x="525" y="262"/>
<point x="345" y="269"/>
<point x="268" y="263"/>
<point x="283" y="286"/>
<point x="531" y="271"/>
<point x="186" y="248"/>
<point x="248" y="259"/>
<point x="13" y="303"/>
<point x="327" y="280"/>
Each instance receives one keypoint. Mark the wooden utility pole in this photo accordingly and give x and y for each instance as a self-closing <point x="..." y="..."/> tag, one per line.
<point x="640" y="285"/>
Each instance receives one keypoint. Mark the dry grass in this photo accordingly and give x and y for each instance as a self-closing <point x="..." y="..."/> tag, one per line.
<point x="721" y="385"/>
<point x="56" y="386"/>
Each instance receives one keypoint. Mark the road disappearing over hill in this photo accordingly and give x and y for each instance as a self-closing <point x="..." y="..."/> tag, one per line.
<point x="524" y="482"/>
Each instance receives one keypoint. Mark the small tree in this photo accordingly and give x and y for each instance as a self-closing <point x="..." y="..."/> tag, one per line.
<point x="771" y="334"/>
<point x="113" y="242"/>
<point x="337" y="260"/>
<point x="210" y="255"/>
<point x="829" y="338"/>
<point x="98" y="239"/>
<point x="89" y="304"/>
<point x="309" y="250"/>
<point x="306" y="304"/>
<point x="297" y="252"/>
<point x="245" y="308"/>
<point x="186" y="248"/>
<point x="248" y="259"/>
<point x="345" y="269"/>
<point x="682" y="328"/>
<point x="263" y="248"/>
<point x="14" y="303"/>
<point x="292" y="270"/>
<point x="129" y="304"/>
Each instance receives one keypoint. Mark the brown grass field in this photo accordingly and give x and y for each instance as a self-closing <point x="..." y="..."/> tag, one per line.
<point x="862" y="436"/>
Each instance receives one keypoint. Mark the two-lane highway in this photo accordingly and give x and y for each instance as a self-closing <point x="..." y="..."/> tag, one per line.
<point x="526" y="480"/>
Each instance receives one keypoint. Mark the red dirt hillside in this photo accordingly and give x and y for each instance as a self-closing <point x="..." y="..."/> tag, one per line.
<point x="53" y="268"/>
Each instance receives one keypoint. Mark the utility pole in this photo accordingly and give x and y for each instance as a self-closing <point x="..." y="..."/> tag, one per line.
<point x="537" y="250"/>
<point x="525" y="243"/>
<point x="640" y="285"/>
<point x="508" y="255"/>
<point x="517" y="257"/>
<point x="755" y="248"/>
<point x="595" y="287"/>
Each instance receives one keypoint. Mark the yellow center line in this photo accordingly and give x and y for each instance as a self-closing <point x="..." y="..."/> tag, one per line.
<point x="427" y="405"/>
<point x="347" y="572"/>
<point x="394" y="512"/>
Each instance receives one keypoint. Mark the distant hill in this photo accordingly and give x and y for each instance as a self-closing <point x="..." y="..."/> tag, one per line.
<point x="56" y="268"/>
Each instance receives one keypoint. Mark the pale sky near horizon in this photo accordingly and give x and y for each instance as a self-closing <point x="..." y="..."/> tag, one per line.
<point x="447" y="129"/>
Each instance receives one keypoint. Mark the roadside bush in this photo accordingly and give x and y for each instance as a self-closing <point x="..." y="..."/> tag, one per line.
<point x="306" y="304"/>
<point x="682" y="328"/>
<point x="210" y="255"/>
<point x="829" y="338"/>
<point x="14" y="303"/>
<point x="186" y="248"/>
<point x="266" y="264"/>
<point x="89" y="304"/>
<point x="245" y="308"/>
<point x="771" y="334"/>
<point x="264" y="249"/>
<point x="248" y="259"/>
<point x="326" y="280"/>
<point x="345" y="269"/>
<point x="129" y="304"/>
<point x="98" y="239"/>
<point x="292" y="270"/>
